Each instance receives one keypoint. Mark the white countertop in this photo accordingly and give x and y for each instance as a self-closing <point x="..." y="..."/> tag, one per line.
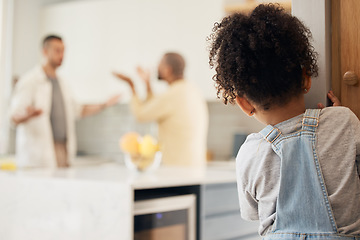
<point x="91" y="200"/>
<point x="216" y="172"/>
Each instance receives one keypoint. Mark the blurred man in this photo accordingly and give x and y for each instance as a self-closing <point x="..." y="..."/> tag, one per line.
<point x="181" y="113"/>
<point x="45" y="112"/>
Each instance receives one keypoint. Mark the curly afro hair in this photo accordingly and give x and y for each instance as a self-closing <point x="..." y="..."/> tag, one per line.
<point x="262" y="56"/>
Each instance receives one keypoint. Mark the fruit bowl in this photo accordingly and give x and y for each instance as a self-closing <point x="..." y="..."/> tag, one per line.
<point x="141" y="164"/>
<point x="141" y="153"/>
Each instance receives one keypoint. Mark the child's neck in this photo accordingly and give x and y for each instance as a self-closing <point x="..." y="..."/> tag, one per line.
<point x="279" y="114"/>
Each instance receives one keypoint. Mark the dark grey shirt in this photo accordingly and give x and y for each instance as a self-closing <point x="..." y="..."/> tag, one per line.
<point x="58" y="115"/>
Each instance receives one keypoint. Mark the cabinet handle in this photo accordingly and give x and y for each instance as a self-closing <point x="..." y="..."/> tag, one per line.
<point x="350" y="78"/>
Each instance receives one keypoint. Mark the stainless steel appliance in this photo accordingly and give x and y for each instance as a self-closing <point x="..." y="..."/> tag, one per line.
<point x="165" y="218"/>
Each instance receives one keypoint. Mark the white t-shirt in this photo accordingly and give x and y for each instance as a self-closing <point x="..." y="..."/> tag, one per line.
<point x="338" y="148"/>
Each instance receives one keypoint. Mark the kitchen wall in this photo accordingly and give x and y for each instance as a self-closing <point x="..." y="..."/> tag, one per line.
<point x="106" y="35"/>
<point x="100" y="134"/>
<point x="316" y="15"/>
<point x="6" y="19"/>
<point x="26" y="31"/>
<point x="224" y="120"/>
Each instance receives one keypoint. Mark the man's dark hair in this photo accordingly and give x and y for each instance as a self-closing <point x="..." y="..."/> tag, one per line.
<point x="49" y="38"/>
<point x="262" y="56"/>
<point x="176" y="62"/>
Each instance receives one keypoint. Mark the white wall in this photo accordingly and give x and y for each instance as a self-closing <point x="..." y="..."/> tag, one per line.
<point x="6" y="16"/>
<point x="103" y="36"/>
<point x="26" y="31"/>
<point x="317" y="16"/>
<point x="26" y="42"/>
<point x="27" y="37"/>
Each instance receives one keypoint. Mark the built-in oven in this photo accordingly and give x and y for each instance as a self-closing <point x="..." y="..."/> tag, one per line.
<point x="165" y="218"/>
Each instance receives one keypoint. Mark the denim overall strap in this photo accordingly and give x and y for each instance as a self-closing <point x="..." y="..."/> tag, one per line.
<point x="311" y="120"/>
<point x="270" y="133"/>
<point x="302" y="207"/>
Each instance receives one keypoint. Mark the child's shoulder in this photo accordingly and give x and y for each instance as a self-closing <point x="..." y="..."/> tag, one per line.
<point x="254" y="153"/>
<point x="252" y="141"/>
<point x="339" y="109"/>
<point x="338" y="115"/>
<point x="250" y="146"/>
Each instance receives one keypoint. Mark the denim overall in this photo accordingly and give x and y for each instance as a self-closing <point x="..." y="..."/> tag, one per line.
<point x="303" y="210"/>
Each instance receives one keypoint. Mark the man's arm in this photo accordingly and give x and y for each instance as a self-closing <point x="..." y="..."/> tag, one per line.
<point x="92" y="109"/>
<point x="127" y="80"/>
<point x="145" y="76"/>
<point x="30" y="113"/>
<point x="21" y="109"/>
<point x="153" y="109"/>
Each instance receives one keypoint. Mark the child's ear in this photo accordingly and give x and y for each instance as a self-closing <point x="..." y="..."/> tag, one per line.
<point x="245" y="105"/>
<point x="307" y="82"/>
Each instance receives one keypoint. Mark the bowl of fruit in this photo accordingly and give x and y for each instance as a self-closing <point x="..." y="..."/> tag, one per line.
<point x="141" y="153"/>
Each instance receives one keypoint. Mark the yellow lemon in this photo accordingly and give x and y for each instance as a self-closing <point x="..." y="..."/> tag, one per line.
<point x="130" y="143"/>
<point x="148" y="146"/>
<point x="9" y="165"/>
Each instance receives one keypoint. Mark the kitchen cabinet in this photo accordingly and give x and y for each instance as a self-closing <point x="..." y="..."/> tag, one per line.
<point x="346" y="52"/>
<point x="97" y="201"/>
<point x="220" y="214"/>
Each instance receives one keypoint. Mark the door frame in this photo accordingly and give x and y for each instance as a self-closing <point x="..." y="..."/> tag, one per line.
<point x="336" y="77"/>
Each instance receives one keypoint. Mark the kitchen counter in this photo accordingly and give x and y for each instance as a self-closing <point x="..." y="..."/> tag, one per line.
<point x="87" y="201"/>
<point x="117" y="173"/>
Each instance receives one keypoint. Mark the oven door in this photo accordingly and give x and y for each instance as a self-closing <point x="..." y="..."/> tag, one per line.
<point x="165" y="218"/>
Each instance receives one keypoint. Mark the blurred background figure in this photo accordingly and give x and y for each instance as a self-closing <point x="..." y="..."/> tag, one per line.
<point x="181" y="113"/>
<point x="44" y="111"/>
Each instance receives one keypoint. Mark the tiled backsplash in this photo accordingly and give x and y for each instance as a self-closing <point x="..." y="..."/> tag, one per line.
<point x="100" y="134"/>
<point x="224" y="122"/>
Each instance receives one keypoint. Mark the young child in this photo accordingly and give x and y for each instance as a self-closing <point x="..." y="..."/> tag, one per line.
<point x="299" y="176"/>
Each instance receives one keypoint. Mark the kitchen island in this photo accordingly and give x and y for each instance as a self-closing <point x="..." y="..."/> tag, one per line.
<point x="97" y="201"/>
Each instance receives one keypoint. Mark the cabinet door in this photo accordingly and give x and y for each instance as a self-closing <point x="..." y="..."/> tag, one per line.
<point x="220" y="214"/>
<point x="346" y="52"/>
